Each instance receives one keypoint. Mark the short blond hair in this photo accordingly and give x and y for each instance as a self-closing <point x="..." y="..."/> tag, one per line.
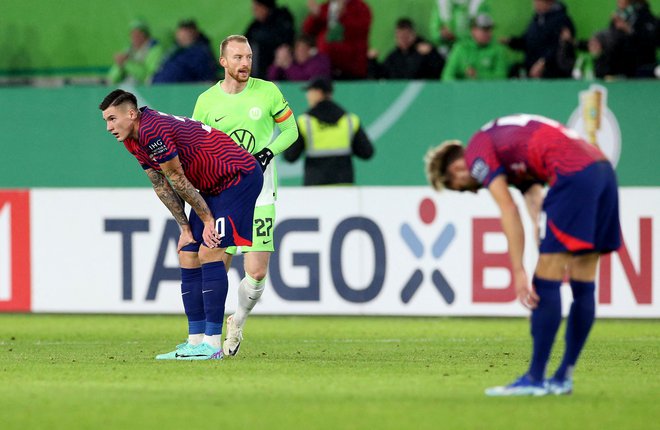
<point x="232" y="38"/>
<point x="438" y="159"/>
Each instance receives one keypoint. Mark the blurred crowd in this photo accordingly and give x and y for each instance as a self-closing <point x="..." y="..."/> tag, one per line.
<point x="333" y="42"/>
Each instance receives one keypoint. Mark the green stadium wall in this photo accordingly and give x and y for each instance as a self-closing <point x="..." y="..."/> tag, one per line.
<point x="56" y="137"/>
<point x="79" y="37"/>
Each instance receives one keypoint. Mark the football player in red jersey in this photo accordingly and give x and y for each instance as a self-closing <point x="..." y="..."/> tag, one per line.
<point x="189" y="161"/>
<point x="581" y="222"/>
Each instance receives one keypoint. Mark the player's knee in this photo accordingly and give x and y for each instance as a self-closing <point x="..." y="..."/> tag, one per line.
<point x="208" y="255"/>
<point x="189" y="260"/>
<point x="552" y="266"/>
<point x="257" y="273"/>
<point x="583" y="267"/>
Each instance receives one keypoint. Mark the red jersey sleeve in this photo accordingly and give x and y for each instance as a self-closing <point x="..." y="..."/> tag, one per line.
<point x="157" y="141"/>
<point x="482" y="160"/>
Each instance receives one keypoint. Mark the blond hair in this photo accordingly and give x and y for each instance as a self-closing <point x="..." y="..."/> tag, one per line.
<point x="233" y="38"/>
<point x="438" y="159"/>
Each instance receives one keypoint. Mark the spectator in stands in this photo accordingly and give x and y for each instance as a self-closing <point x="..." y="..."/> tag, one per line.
<point x="272" y="27"/>
<point x="450" y="22"/>
<point x="191" y="60"/>
<point x="341" y="29"/>
<point x="304" y="63"/>
<point x="478" y="57"/>
<point x="138" y="63"/>
<point x="570" y="59"/>
<point x="412" y="58"/>
<point x="628" y="47"/>
<point x="331" y="136"/>
<point x="541" y="39"/>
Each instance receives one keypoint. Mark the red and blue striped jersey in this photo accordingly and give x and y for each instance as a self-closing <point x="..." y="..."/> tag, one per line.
<point x="211" y="160"/>
<point x="527" y="149"/>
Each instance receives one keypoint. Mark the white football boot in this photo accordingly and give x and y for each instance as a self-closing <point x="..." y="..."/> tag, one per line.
<point x="234" y="337"/>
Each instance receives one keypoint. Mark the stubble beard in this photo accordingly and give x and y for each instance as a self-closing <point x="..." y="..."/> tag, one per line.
<point x="237" y="77"/>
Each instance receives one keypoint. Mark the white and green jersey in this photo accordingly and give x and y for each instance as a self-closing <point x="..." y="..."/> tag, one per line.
<point x="249" y="118"/>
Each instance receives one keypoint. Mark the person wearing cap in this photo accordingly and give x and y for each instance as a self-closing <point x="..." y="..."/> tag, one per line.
<point x="478" y="58"/>
<point x="330" y="136"/>
<point x="138" y="63"/>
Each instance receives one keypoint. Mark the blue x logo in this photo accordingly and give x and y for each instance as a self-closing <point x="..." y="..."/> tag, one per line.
<point x="437" y="250"/>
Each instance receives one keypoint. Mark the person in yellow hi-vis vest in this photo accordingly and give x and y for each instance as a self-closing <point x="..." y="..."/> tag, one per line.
<point x="330" y="136"/>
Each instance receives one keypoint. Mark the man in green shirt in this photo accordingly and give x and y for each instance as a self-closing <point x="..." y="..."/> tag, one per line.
<point x="247" y="109"/>
<point x="478" y="58"/>
<point x="137" y="64"/>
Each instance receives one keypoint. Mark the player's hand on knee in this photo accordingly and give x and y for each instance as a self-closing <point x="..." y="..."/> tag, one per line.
<point x="186" y="238"/>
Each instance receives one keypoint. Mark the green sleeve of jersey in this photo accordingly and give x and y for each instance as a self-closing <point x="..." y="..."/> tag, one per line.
<point x="279" y="104"/>
<point x="285" y="120"/>
<point x="288" y="135"/>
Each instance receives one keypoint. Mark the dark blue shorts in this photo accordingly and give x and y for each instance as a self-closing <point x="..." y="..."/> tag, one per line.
<point x="233" y="210"/>
<point x="582" y="212"/>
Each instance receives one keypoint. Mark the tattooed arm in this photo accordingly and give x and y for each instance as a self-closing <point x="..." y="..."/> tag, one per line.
<point x="174" y="172"/>
<point x="174" y="203"/>
<point x="168" y="196"/>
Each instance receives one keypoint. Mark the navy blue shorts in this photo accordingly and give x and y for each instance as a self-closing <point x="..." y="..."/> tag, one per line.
<point x="233" y="210"/>
<point x="582" y="212"/>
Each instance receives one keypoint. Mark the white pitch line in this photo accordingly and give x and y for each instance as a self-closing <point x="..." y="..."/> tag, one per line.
<point x="390" y="117"/>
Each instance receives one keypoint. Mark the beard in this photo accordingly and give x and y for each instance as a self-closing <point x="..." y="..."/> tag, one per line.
<point x="238" y="77"/>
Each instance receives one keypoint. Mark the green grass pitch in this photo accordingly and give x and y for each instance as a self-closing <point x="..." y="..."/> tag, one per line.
<point x="99" y="372"/>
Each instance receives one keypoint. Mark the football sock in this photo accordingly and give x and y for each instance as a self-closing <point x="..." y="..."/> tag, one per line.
<point x="249" y="292"/>
<point x="196" y="339"/>
<point x="214" y="292"/>
<point x="193" y="303"/>
<point x="544" y="324"/>
<point x="580" y="320"/>
<point x="215" y="340"/>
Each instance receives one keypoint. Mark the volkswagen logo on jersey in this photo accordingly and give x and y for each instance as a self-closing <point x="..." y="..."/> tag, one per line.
<point x="244" y="138"/>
